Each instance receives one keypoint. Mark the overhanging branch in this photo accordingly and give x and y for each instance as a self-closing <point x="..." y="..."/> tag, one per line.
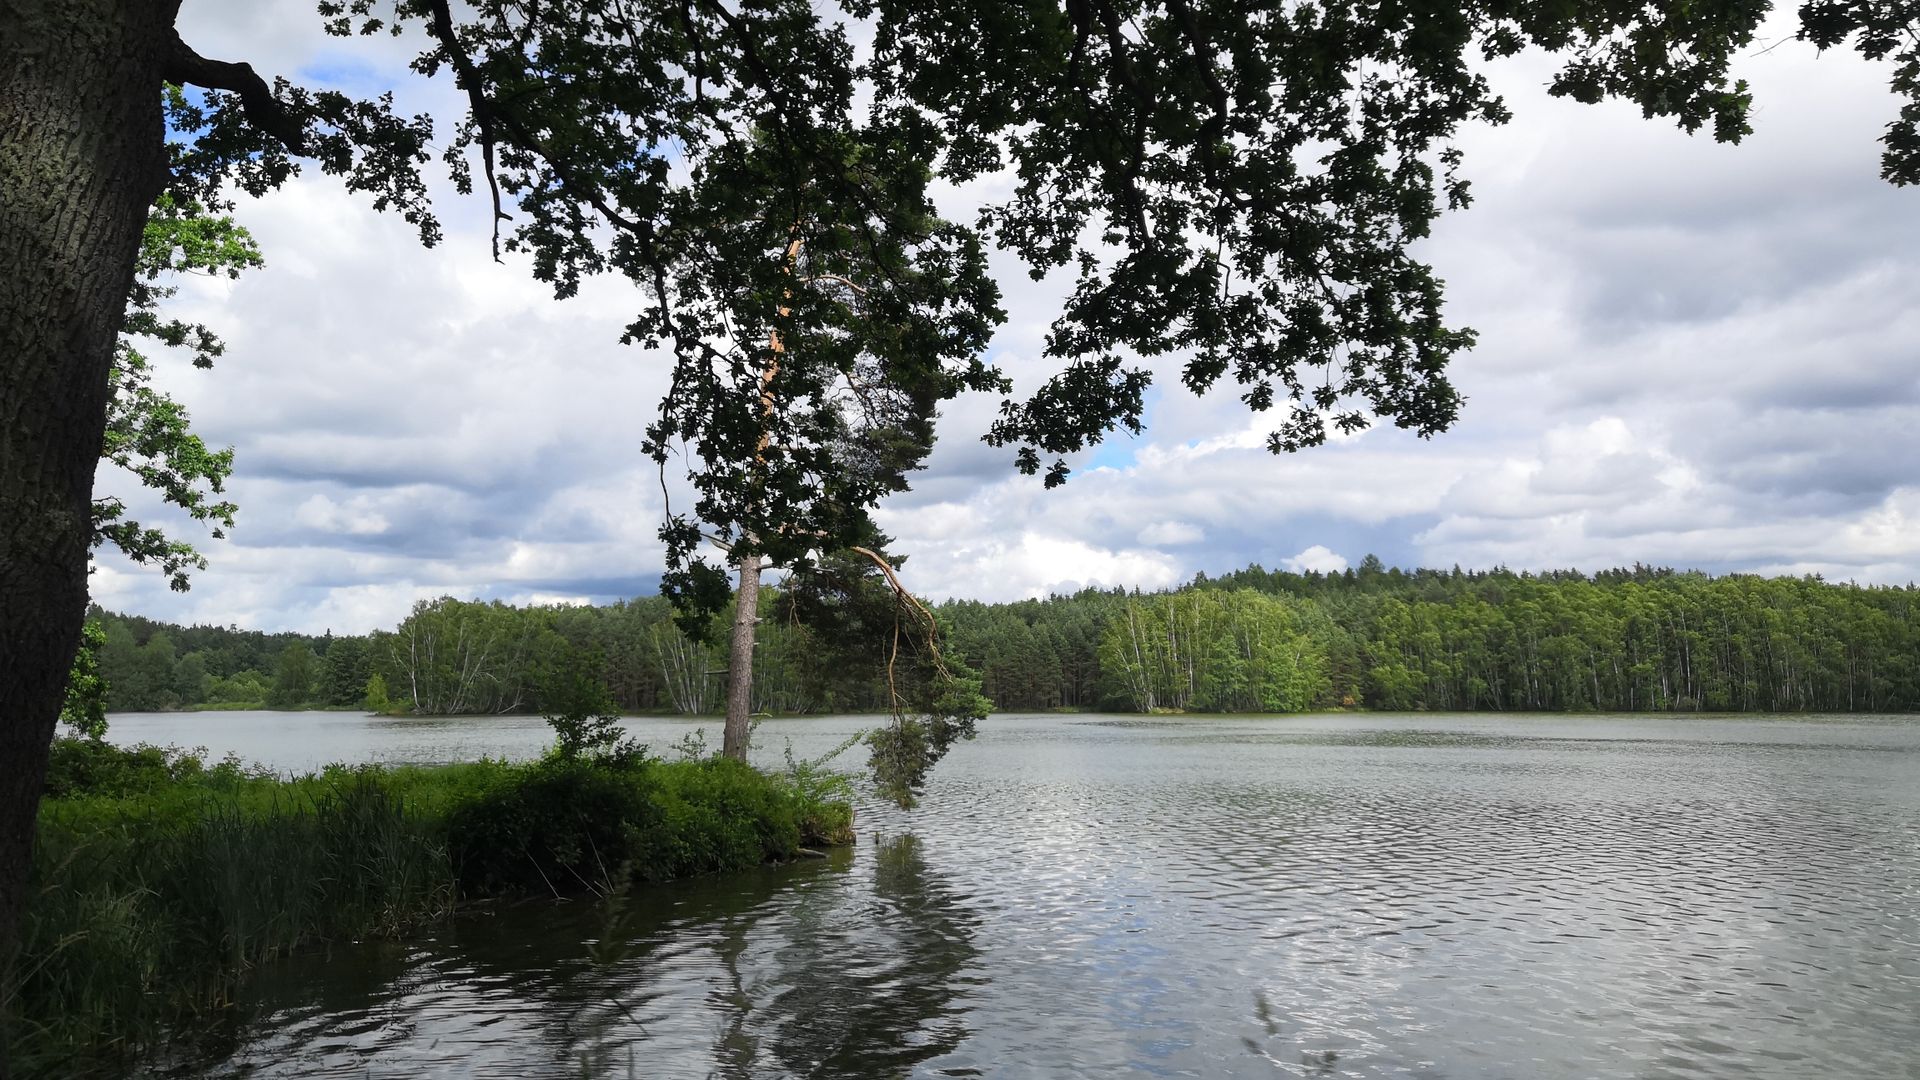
<point x="469" y="79"/>
<point x="486" y="116"/>
<point x="266" y="112"/>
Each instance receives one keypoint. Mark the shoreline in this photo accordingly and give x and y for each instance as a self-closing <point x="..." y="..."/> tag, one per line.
<point x="163" y="882"/>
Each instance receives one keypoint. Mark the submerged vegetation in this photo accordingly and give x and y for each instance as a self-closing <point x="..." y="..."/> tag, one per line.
<point x="161" y="880"/>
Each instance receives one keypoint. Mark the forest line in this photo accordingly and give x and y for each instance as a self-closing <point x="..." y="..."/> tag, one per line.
<point x="1637" y="639"/>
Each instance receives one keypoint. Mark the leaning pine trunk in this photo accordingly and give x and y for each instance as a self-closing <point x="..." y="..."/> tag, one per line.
<point x="81" y="159"/>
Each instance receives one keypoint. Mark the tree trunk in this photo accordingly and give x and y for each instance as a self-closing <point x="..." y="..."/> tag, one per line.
<point x="746" y="619"/>
<point x="746" y="600"/>
<point x="81" y="159"/>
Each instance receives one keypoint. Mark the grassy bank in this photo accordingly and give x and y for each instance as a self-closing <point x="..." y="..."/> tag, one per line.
<point x="161" y="880"/>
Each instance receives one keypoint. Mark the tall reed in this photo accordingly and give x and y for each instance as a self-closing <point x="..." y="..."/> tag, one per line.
<point x="152" y="899"/>
<point x="142" y="912"/>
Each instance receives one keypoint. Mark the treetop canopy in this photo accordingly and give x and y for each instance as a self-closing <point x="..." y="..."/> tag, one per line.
<point x="1239" y="186"/>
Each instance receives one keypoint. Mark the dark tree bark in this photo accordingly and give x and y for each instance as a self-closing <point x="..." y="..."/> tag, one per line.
<point x="82" y="155"/>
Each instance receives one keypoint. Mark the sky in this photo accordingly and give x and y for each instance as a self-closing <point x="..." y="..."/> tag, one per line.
<point x="1690" y="354"/>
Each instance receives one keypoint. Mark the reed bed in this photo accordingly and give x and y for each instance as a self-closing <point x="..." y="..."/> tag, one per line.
<point x="157" y="888"/>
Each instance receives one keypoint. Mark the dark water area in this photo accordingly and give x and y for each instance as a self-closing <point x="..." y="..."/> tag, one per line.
<point x="1362" y="896"/>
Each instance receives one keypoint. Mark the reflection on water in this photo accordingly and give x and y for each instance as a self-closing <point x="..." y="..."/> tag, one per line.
<point x="872" y="990"/>
<point x="1437" y="896"/>
<point x="783" y="972"/>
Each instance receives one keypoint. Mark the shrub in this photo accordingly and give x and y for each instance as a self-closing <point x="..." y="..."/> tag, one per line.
<point x="562" y="824"/>
<point x="583" y="717"/>
<point x="558" y="825"/>
<point x="82" y="767"/>
<point x="717" y="814"/>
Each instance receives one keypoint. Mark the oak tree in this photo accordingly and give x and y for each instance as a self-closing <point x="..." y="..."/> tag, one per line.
<point x="148" y="433"/>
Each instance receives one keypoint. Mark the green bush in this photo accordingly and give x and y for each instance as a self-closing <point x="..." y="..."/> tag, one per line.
<point x="718" y="814"/>
<point x="562" y="825"/>
<point x="558" y="825"/>
<point x="77" y="767"/>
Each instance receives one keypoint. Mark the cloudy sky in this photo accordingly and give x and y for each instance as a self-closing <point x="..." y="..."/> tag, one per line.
<point x="1691" y="354"/>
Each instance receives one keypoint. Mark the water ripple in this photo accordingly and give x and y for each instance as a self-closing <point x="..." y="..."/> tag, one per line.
<point x="1335" y="896"/>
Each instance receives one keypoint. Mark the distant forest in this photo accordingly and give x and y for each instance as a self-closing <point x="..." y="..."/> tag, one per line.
<point x="1640" y="639"/>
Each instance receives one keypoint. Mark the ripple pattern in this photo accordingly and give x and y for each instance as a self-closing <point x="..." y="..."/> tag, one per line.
<point x="1431" y="896"/>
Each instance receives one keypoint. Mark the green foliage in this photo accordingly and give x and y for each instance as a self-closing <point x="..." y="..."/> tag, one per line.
<point x="88" y="767"/>
<point x="1243" y="191"/>
<point x="345" y="669"/>
<point x="1212" y="650"/>
<point x="151" y="665"/>
<point x="140" y="676"/>
<point x="1880" y="30"/>
<point x="293" y="678"/>
<point x="582" y="714"/>
<point x="146" y="911"/>
<point x="148" y="433"/>
<point x="590" y="734"/>
<point x="692" y="746"/>
<point x="1263" y="223"/>
<point x="85" y="710"/>
<point x="1629" y="640"/>
<point x="563" y="825"/>
<point x="1248" y="641"/>
<point x="160" y="881"/>
<point x="905" y="750"/>
<point x="375" y="698"/>
<point x="825" y="795"/>
<point x="191" y="682"/>
<point x="456" y="656"/>
<point x="863" y="624"/>
<point x="943" y="706"/>
<point x="1246" y="191"/>
<point x="243" y="688"/>
<point x="719" y="812"/>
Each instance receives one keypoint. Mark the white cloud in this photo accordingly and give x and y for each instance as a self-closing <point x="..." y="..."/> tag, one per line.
<point x="1171" y="534"/>
<point x="325" y="515"/>
<point x="1029" y="564"/>
<point x="1888" y="531"/>
<point x="1316" y="559"/>
<point x="1690" y="354"/>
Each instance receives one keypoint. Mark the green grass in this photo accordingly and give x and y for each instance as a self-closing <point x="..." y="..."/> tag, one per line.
<point x="159" y="881"/>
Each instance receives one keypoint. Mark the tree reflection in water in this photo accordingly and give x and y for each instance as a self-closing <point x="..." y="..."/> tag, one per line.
<point x="867" y="983"/>
<point x="858" y="968"/>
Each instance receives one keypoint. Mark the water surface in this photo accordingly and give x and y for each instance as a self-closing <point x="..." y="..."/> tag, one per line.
<point x="1364" y="896"/>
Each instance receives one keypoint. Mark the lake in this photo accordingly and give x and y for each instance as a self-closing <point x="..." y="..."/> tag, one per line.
<point x="1427" y="896"/>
